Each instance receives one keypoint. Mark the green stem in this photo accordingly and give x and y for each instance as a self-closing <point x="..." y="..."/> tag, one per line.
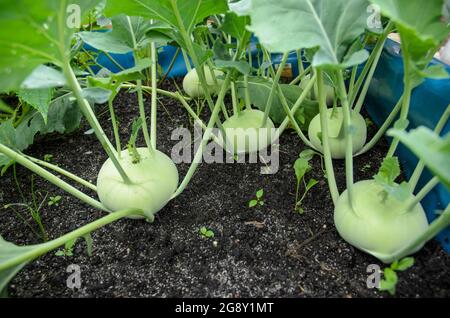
<point x="434" y="229"/>
<point x="325" y="138"/>
<point x="422" y="194"/>
<point x="34" y="251"/>
<point x="149" y="89"/>
<point x="302" y="75"/>
<point x="274" y="88"/>
<point x="290" y="115"/>
<point x="352" y="80"/>
<point x="206" y="137"/>
<point x="51" y="177"/>
<point x="115" y="126"/>
<point x="114" y="61"/>
<point x="143" y="116"/>
<point x="234" y="99"/>
<point x="93" y="122"/>
<point x="171" y="65"/>
<point x="377" y="55"/>
<point x="403" y="116"/>
<point x="195" y="116"/>
<point x="248" y="103"/>
<point x="186" y="60"/>
<point x="63" y="172"/>
<point x="154" y="108"/>
<point x="301" y="68"/>
<point x="191" y="51"/>
<point x="380" y="133"/>
<point x="421" y="165"/>
<point x="348" y="136"/>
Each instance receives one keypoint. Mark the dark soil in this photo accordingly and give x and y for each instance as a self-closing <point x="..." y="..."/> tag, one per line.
<point x="268" y="251"/>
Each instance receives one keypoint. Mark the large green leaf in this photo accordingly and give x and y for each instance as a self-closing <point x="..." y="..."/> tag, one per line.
<point x="10" y="251"/>
<point x="34" y="33"/>
<point x="429" y="147"/>
<point x="236" y="26"/>
<point x="64" y="116"/>
<point x="259" y="91"/>
<point x="331" y="26"/>
<point x="38" y="98"/>
<point x="128" y="34"/>
<point x="420" y="25"/>
<point x="192" y="11"/>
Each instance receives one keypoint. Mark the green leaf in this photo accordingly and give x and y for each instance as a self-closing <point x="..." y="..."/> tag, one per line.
<point x="330" y="26"/>
<point x="389" y="171"/>
<point x="64" y="116"/>
<point x="236" y="26"/>
<point x="405" y="264"/>
<point x="34" y="33"/>
<point x="241" y="66"/>
<point x="260" y="194"/>
<point x="44" y="77"/>
<point x="311" y="183"/>
<point x="389" y="282"/>
<point x="39" y="99"/>
<point x="89" y="243"/>
<point x="6" y="108"/>
<point x="259" y="91"/>
<point x="252" y="203"/>
<point x="422" y="30"/>
<point x="192" y="11"/>
<point x="128" y="34"/>
<point x="429" y="147"/>
<point x="301" y="167"/>
<point x="437" y="71"/>
<point x="8" y="252"/>
<point x="96" y="95"/>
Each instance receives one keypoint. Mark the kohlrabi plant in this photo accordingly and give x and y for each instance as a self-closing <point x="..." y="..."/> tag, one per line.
<point x="37" y="47"/>
<point x="378" y="216"/>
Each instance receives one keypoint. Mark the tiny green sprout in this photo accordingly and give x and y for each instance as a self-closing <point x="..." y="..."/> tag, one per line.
<point x="366" y="168"/>
<point x="369" y="122"/>
<point x="301" y="167"/>
<point x="259" y="200"/>
<point x="48" y="158"/>
<point x="206" y="233"/>
<point x="389" y="283"/>
<point x="67" y="250"/>
<point x="54" y="201"/>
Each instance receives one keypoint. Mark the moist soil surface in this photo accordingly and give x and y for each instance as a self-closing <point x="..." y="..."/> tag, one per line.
<point x="266" y="251"/>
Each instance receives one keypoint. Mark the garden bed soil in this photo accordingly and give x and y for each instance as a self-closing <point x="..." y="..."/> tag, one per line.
<point x="268" y="251"/>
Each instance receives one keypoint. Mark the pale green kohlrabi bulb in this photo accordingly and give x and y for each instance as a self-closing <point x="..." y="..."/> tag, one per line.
<point x="378" y="225"/>
<point x="193" y="87"/>
<point x="154" y="180"/>
<point x="246" y="133"/>
<point x="337" y="140"/>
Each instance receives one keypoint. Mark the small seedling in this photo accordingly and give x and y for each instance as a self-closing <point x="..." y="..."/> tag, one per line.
<point x="389" y="283"/>
<point x="48" y="158"/>
<point x="69" y="246"/>
<point x="366" y="168"/>
<point x="68" y="249"/>
<point x="258" y="200"/>
<point x="301" y="167"/>
<point x="54" y="201"/>
<point x="206" y="233"/>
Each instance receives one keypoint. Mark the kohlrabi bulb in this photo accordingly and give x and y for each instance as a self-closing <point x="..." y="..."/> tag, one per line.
<point x="337" y="140"/>
<point x="329" y="90"/>
<point x="379" y="224"/>
<point x="154" y="180"/>
<point x="193" y="87"/>
<point x="246" y="132"/>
